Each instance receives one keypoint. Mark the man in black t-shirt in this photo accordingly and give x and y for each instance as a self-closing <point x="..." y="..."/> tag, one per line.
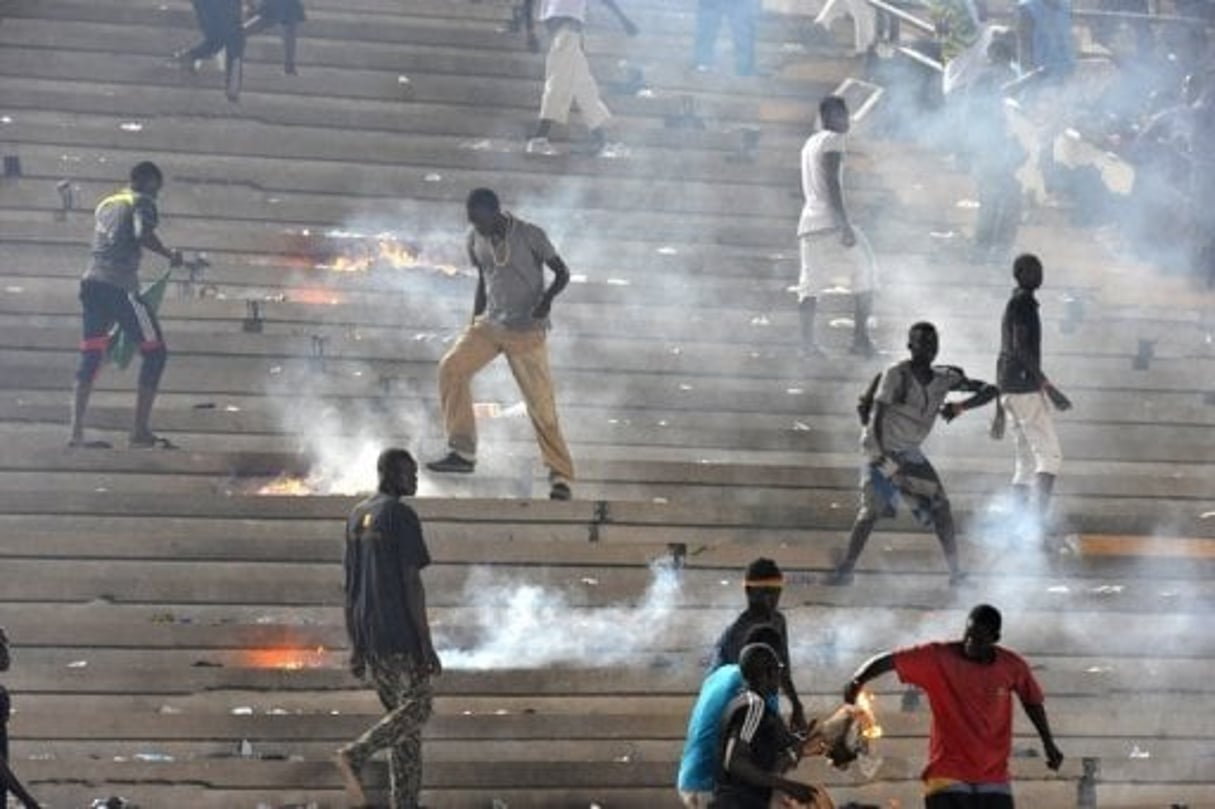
<point x="1025" y="390"/>
<point x="389" y="633"/>
<point x="763" y="583"/>
<point x="756" y="746"/>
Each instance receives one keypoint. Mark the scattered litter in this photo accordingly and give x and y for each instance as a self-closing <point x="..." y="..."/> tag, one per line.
<point x="6" y="119"/>
<point x="131" y="126"/>
<point x="101" y="490"/>
<point x="153" y="757"/>
<point x="231" y="409"/>
<point x="725" y="582"/>
<point x="801" y="427"/>
<point x="943" y="234"/>
<point x="646" y="92"/>
<point x="625" y="759"/>
<point x="276" y="712"/>
<point x="618" y="282"/>
<point x="276" y="369"/>
<point x="969" y="204"/>
<point x="482" y="145"/>
<point x="501" y="712"/>
<point x="1059" y="588"/>
<point x="1098" y="670"/>
<point x="243" y="710"/>
<point x="590" y="581"/>
<point x="1206" y="515"/>
<point x="403" y="80"/>
<point x="433" y="177"/>
<point x="660" y="501"/>
<point x="667" y="250"/>
<point x="1108" y="589"/>
<point x="663" y="423"/>
<point x="205" y="406"/>
<point x="358" y="373"/>
<point x="245" y="750"/>
<point x="169" y="710"/>
<point x="578" y="279"/>
<point x="1169" y="594"/>
<point x="614" y="151"/>
<point x="685" y="388"/>
<point x="1136" y="752"/>
<point x="841" y="323"/>
<point x="761" y="320"/>
<point x="78" y="664"/>
<point x="516" y="411"/>
<point x="677" y="351"/>
<point x="15" y="290"/>
<point x="795" y="391"/>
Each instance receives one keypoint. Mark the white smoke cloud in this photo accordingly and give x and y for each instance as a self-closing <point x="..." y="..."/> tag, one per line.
<point x="521" y="625"/>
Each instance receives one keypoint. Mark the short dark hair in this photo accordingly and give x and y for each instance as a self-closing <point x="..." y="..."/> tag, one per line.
<point x="832" y="104"/>
<point x="767" y="634"/>
<point x="763" y="569"/>
<point x="145" y="171"/>
<point x="392" y="459"/>
<point x="923" y="325"/>
<point x="483" y="199"/>
<point x="988" y="617"/>
<point x="754" y="657"/>
<point x="1027" y="264"/>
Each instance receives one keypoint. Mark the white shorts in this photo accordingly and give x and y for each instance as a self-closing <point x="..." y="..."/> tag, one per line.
<point x="1033" y="428"/>
<point x="828" y="265"/>
<point x="695" y="800"/>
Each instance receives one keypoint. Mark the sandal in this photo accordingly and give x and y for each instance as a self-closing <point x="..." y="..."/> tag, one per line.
<point x="151" y="441"/>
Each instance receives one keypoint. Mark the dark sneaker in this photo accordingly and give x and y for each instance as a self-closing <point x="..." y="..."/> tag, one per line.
<point x="560" y="491"/>
<point x="454" y="463"/>
<point x="840" y="577"/>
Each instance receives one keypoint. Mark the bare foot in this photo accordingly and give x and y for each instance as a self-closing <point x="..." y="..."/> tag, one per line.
<point x="350" y="779"/>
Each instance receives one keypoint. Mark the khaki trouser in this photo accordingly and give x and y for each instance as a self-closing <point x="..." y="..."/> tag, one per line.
<point x="568" y="81"/>
<point x="527" y="353"/>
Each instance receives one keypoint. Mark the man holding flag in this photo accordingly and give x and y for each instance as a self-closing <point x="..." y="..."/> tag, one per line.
<point x="109" y="295"/>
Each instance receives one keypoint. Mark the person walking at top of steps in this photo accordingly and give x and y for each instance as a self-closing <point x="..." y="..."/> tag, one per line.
<point x="221" y="24"/>
<point x="828" y="241"/>
<point x="8" y="781"/>
<point x="1027" y="395"/>
<point x="567" y="73"/>
<point x="510" y="316"/>
<point x="109" y="294"/>
<point x="970" y="685"/>
<point x="763" y="583"/>
<point x="742" y="16"/>
<point x="288" y="14"/>
<point x="389" y="632"/>
<point x="907" y="400"/>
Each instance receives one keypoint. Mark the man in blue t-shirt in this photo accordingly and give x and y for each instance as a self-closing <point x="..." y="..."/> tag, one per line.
<point x="698" y="764"/>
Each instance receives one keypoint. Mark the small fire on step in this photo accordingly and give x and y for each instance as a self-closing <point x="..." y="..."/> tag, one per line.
<point x="349" y="251"/>
<point x="287" y="486"/>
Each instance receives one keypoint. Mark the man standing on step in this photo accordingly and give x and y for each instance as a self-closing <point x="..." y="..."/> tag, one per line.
<point x="567" y="73"/>
<point x="969" y="685"/>
<point x="763" y="584"/>
<point x="221" y="24"/>
<point x="904" y="410"/>
<point x="388" y="629"/>
<point x="511" y="317"/>
<point x="1024" y="391"/>
<point x="829" y="243"/>
<point x="743" y="19"/>
<point x="109" y="295"/>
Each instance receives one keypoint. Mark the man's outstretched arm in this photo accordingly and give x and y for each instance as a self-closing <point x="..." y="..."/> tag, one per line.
<point x="871" y="669"/>
<point x="1037" y="715"/>
<point x="984" y="392"/>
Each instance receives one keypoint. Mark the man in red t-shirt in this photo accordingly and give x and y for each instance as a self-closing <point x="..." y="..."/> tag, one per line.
<point x="969" y="686"/>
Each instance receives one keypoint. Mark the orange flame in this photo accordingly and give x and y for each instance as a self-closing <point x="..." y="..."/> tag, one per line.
<point x="385" y="250"/>
<point x="286" y="659"/>
<point x="287" y="486"/>
<point x="870" y="729"/>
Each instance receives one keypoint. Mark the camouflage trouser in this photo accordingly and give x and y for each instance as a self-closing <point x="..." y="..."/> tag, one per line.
<point x="405" y="690"/>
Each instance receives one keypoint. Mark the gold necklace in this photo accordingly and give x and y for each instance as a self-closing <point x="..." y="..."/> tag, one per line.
<point x="493" y="253"/>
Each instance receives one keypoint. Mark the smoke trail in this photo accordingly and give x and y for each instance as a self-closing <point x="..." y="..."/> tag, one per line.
<point x="522" y="625"/>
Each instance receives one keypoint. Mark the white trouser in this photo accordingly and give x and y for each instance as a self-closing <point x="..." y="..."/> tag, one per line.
<point x="827" y="264"/>
<point x="568" y="81"/>
<point x="695" y="800"/>
<point x="1034" y="431"/>
<point x="864" y="21"/>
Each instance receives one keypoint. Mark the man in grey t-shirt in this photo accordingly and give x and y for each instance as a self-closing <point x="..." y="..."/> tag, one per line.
<point x="511" y="317"/>
<point x="908" y="400"/>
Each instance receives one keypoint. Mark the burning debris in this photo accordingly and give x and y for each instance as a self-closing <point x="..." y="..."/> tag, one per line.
<point x="347" y="251"/>
<point x="288" y="486"/>
<point x="288" y="659"/>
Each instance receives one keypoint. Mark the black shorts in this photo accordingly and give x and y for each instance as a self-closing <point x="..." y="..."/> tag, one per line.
<point x="969" y="800"/>
<point x="104" y="305"/>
